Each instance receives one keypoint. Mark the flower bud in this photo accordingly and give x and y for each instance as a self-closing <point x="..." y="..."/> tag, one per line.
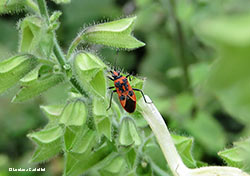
<point x="89" y="71"/>
<point x="13" y="69"/>
<point x="114" y="34"/>
<point x="128" y="134"/>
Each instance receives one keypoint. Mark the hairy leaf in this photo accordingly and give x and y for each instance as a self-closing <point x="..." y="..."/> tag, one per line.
<point x="35" y="37"/>
<point x="128" y="133"/>
<point x="74" y="114"/>
<point x="11" y="6"/>
<point x="114" y="34"/>
<point x="238" y="156"/>
<point x="13" y="69"/>
<point x="102" y="118"/>
<point x="49" y="143"/>
<point x="37" y="87"/>
<point x="89" y="70"/>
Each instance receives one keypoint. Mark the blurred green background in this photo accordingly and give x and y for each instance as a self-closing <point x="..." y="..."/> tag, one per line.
<point x="198" y="97"/>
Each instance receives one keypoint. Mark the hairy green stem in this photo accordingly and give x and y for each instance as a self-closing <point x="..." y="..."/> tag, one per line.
<point x="32" y="5"/>
<point x="57" y="50"/>
<point x="43" y="10"/>
<point x="74" y="44"/>
<point x="176" y="165"/>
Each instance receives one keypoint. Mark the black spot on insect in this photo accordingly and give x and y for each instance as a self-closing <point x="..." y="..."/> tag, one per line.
<point x="126" y="86"/>
<point x="125" y="80"/>
<point x="122" y="97"/>
<point x="118" y="84"/>
<point x="130" y="93"/>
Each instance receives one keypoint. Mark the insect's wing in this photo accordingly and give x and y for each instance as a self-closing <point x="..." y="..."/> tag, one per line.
<point x="130" y="104"/>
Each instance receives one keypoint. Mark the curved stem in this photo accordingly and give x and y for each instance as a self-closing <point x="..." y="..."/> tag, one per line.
<point x="57" y="50"/>
<point x="178" y="168"/>
<point x="160" y="130"/>
<point x="74" y="44"/>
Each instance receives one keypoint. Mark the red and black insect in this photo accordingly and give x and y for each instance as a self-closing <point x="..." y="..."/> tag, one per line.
<point x="125" y="91"/>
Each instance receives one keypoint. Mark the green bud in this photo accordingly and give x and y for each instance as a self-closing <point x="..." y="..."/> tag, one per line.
<point x="39" y="72"/>
<point x="48" y="143"/>
<point x="128" y="134"/>
<point x="31" y="76"/>
<point x="74" y="114"/>
<point x="10" y="6"/>
<point x="46" y="136"/>
<point x="53" y="26"/>
<point x="36" y="87"/>
<point x="55" y="16"/>
<point x="89" y="70"/>
<point x="86" y="141"/>
<point x="52" y="111"/>
<point x="114" y="34"/>
<point x="13" y="69"/>
<point x="102" y="118"/>
<point x="115" y="167"/>
<point x="35" y="37"/>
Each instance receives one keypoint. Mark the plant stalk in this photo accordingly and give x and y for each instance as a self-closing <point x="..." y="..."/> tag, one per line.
<point x="43" y="10"/>
<point x="57" y="50"/>
<point x="176" y="165"/>
<point x="74" y="44"/>
<point x="32" y="5"/>
<point x="160" y="130"/>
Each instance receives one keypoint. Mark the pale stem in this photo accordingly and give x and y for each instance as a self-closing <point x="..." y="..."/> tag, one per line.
<point x="178" y="168"/>
<point x="160" y="130"/>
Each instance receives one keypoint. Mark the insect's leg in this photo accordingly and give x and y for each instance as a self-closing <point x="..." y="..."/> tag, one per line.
<point x="110" y="78"/>
<point x="142" y="95"/>
<point x="110" y="102"/>
<point x="112" y="87"/>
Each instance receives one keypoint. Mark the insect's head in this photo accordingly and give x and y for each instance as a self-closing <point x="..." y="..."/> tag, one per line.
<point x="115" y="74"/>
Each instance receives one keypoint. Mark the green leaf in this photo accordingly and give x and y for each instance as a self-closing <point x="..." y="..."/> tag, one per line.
<point x="13" y="69"/>
<point x="85" y="141"/>
<point x="74" y="114"/>
<point x="229" y="77"/>
<point x="37" y="87"/>
<point x="102" y="118"/>
<point x="89" y="71"/>
<point x="77" y="164"/>
<point x="157" y="160"/>
<point x="53" y="113"/>
<point x="49" y="143"/>
<point x="184" y="147"/>
<point x="35" y="37"/>
<point x="117" y="166"/>
<point x="230" y="30"/>
<point x="128" y="133"/>
<point x="114" y="34"/>
<point x="11" y="6"/>
<point x="208" y="130"/>
<point x="238" y="156"/>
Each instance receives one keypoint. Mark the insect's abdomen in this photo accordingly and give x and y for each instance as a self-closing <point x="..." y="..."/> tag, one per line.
<point x="130" y="105"/>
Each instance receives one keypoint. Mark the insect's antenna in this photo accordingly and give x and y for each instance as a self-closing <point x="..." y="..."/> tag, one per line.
<point x="116" y="56"/>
